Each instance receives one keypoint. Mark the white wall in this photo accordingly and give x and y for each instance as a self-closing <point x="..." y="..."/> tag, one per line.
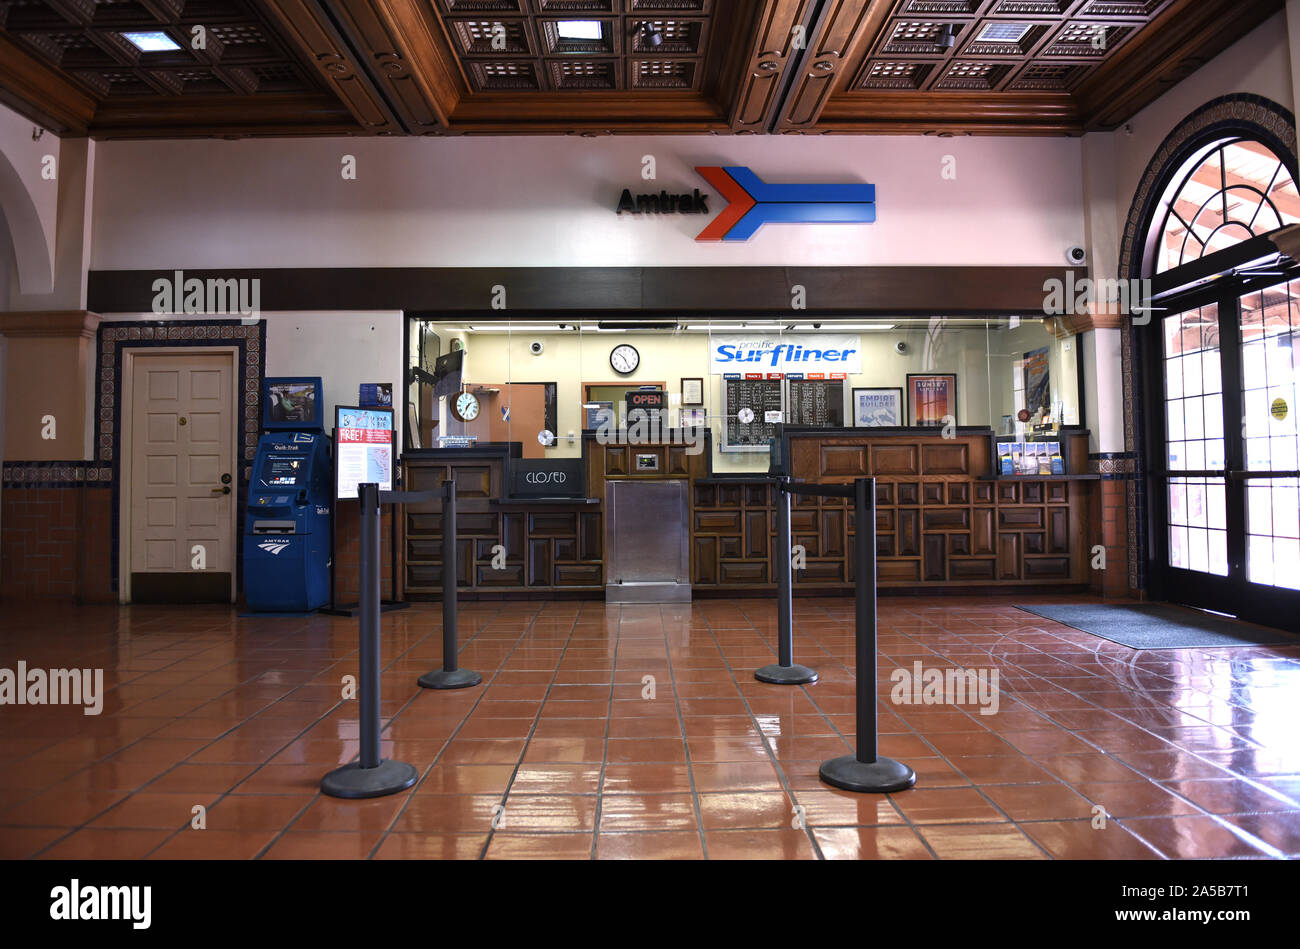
<point x="550" y="201"/>
<point x="344" y="348"/>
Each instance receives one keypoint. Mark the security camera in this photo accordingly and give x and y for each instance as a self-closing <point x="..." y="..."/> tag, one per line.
<point x="1076" y="256"/>
<point x="536" y="347"/>
<point x="900" y="347"/>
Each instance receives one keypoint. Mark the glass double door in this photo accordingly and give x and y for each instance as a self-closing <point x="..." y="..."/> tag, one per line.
<point x="1226" y="506"/>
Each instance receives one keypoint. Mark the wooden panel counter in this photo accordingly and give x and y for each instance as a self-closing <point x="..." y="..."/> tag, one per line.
<point x="944" y="522"/>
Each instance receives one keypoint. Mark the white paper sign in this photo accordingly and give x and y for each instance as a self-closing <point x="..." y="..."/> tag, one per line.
<point x="363" y="449"/>
<point x="820" y="352"/>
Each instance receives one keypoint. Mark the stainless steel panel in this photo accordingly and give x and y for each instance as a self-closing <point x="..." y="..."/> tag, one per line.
<point x="647" y="541"/>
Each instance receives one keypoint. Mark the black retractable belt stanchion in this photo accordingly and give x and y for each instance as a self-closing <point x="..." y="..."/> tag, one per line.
<point x="370" y="776"/>
<point x="866" y="771"/>
<point x="784" y="671"/>
<point x="450" y="676"/>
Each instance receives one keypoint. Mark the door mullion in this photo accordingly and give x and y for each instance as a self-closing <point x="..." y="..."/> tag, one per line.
<point x="1234" y="445"/>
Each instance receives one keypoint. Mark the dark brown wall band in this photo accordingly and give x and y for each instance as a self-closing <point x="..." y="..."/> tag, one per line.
<point x="725" y="290"/>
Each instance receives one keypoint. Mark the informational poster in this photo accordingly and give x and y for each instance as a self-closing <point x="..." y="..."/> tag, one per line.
<point x="1038" y="387"/>
<point x="878" y="408"/>
<point x="932" y="397"/>
<point x="363" y="449"/>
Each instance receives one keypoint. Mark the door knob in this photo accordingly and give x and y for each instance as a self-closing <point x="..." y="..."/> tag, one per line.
<point x="225" y="490"/>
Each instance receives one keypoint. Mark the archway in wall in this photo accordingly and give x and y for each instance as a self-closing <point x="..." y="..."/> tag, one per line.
<point x="1210" y="372"/>
<point x="33" y="249"/>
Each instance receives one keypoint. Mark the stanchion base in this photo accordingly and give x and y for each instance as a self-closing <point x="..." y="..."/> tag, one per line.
<point x="354" y="781"/>
<point x="881" y="776"/>
<point x="442" y="679"/>
<point x="785" y="675"/>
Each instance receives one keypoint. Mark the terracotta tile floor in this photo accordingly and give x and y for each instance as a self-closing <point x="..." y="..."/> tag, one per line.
<point x="561" y="753"/>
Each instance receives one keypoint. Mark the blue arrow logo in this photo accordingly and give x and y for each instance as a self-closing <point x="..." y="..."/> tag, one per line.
<point x="753" y="203"/>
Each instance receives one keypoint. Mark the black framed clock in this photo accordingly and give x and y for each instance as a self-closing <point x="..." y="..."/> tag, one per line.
<point x="624" y="359"/>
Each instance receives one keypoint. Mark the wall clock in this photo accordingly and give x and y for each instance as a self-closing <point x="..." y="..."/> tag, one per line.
<point x="466" y="407"/>
<point x="624" y="359"/>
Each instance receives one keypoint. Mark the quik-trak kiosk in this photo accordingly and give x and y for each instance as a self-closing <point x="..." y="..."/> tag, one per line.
<point x="287" y="522"/>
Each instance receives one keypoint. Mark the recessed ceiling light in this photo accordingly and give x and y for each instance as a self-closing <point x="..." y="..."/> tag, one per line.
<point x="579" y="29"/>
<point x="1004" y="32"/>
<point x="154" y="42"/>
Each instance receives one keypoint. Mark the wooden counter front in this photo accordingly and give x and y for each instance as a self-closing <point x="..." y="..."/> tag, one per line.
<point x="943" y="522"/>
<point x="549" y="546"/>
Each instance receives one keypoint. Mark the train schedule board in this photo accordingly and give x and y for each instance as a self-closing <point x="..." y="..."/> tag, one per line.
<point x="363" y="449"/>
<point x="817" y="403"/>
<point x="753" y="407"/>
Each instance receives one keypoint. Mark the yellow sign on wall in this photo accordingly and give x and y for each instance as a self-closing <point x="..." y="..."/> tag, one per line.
<point x="1279" y="409"/>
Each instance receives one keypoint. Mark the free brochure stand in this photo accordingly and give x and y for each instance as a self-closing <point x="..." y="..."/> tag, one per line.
<point x="351" y="609"/>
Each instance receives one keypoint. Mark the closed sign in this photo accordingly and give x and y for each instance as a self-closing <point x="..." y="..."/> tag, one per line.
<point x="552" y="478"/>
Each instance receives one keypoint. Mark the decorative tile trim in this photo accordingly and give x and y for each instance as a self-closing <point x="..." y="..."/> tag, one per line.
<point x="1113" y="465"/>
<point x="1240" y="114"/>
<point x="248" y="338"/>
<point x="57" y="474"/>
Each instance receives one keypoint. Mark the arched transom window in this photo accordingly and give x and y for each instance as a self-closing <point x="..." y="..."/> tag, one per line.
<point x="1227" y="193"/>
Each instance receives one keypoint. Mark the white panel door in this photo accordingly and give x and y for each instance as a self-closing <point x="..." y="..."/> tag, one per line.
<point x="182" y="463"/>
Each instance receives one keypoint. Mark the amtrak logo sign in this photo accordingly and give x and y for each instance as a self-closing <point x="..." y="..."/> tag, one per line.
<point x="752" y="202"/>
<point x="273" y="546"/>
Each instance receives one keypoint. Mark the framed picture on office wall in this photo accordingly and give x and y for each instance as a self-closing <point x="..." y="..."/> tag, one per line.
<point x="932" y="397"/>
<point x="693" y="418"/>
<point x="692" y="392"/>
<point x="1037" y="380"/>
<point x="878" y="408"/>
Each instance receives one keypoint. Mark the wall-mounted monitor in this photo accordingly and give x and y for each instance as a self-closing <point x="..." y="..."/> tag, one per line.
<point x="293" y="403"/>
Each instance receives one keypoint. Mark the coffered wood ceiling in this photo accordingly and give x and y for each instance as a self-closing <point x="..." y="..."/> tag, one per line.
<point x="440" y="67"/>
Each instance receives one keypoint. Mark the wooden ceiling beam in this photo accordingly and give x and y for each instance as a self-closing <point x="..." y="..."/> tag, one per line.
<point x="42" y="93"/>
<point x="408" y="55"/>
<point x="224" y="116"/>
<point x="312" y="34"/>
<point x="644" y="113"/>
<point x="1030" y="113"/>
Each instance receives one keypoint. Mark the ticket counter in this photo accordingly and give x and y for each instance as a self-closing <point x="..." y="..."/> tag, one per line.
<point x="970" y="426"/>
<point x="945" y="521"/>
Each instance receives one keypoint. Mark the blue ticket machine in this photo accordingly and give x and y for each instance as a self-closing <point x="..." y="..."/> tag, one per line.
<point x="287" y="520"/>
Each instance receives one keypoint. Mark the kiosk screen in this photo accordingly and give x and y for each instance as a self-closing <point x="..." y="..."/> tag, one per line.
<point x="292" y="402"/>
<point x="281" y="471"/>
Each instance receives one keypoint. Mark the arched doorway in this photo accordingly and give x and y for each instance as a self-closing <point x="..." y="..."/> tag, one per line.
<point x="1217" y="359"/>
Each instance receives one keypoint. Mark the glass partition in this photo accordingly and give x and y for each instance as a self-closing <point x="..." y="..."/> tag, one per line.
<point x="542" y="384"/>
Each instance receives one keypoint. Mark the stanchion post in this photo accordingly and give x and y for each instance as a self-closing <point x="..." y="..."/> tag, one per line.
<point x="866" y="771"/>
<point x="370" y="776"/>
<point x="450" y="676"/>
<point x="784" y="672"/>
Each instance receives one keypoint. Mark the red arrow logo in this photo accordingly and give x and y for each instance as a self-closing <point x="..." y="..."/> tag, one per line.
<point x="739" y="202"/>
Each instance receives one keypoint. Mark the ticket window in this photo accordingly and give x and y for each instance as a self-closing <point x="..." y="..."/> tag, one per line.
<point x="536" y="383"/>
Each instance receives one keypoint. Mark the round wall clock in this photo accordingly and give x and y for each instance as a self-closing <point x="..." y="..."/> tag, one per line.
<point x="624" y="359"/>
<point x="466" y="407"/>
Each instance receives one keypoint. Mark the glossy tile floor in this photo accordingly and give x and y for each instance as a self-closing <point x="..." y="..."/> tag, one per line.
<point x="565" y="752"/>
